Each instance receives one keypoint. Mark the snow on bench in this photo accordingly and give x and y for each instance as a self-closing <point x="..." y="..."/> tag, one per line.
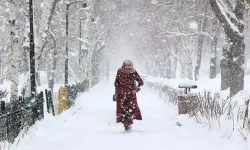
<point x="187" y="83"/>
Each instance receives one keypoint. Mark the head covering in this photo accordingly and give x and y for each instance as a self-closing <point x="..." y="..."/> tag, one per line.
<point x="127" y="66"/>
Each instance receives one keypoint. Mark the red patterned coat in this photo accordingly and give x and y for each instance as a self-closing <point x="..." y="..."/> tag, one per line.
<point x="126" y="100"/>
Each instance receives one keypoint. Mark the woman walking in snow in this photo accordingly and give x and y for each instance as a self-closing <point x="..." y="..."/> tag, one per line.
<point x="125" y="91"/>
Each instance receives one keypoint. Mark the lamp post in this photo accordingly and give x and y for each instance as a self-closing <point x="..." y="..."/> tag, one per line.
<point x="32" y="52"/>
<point x="67" y="38"/>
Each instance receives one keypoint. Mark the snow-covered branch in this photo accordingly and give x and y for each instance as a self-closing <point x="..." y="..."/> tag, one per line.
<point x="14" y="50"/>
<point x="225" y="16"/>
<point x="48" y="11"/>
<point x="170" y="34"/>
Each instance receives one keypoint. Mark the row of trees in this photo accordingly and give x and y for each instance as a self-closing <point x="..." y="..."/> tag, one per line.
<point x="187" y="37"/>
<point x="172" y="36"/>
<point x="48" y="50"/>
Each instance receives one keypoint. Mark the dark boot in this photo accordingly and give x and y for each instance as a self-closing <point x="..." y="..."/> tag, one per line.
<point x="128" y="127"/>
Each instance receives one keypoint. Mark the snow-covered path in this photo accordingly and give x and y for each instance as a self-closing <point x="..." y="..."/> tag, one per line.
<point x="90" y="125"/>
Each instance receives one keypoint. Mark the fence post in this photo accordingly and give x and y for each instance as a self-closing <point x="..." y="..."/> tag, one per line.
<point x="3" y="107"/>
<point x="3" y="122"/>
<point x="37" y="108"/>
<point x="51" y="102"/>
<point x="40" y="106"/>
<point x="47" y="100"/>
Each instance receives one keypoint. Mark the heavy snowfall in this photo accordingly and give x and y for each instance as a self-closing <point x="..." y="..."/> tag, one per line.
<point x="60" y="60"/>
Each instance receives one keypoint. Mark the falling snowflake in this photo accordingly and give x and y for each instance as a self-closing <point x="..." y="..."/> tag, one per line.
<point x="193" y="25"/>
<point x="154" y="2"/>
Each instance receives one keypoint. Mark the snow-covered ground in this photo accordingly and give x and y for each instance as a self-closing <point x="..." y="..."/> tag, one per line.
<point x="205" y="84"/>
<point x="227" y="126"/>
<point x="90" y="125"/>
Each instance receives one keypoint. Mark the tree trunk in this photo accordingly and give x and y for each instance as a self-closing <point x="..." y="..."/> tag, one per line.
<point x="46" y="18"/>
<point x="233" y="26"/>
<point x="183" y="73"/>
<point x="108" y="68"/>
<point x="169" y="64"/>
<point x="174" y="68"/>
<point x="52" y="67"/>
<point x="1" y="73"/>
<point x="26" y="49"/>
<point x="236" y="63"/>
<point x="189" y="67"/>
<point x="14" y="51"/>
<point x="246" y="67"/>
<point x="224" y="65"/>
<point x="203" y="23"/>
<point x="212" y="73"/>
<point x="27" y="85"/>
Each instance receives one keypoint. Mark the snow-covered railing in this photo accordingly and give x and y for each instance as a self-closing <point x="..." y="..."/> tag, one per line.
<point x="75" y="90"/>
<point x="16" y="115"/>
<point x="67" y="96"/>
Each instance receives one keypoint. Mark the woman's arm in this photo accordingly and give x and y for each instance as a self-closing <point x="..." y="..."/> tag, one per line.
<point x="117" y="80"/>
<point x="139" y="80"/>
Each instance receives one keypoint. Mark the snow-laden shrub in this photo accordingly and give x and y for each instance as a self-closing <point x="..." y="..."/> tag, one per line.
<point x="3" y="94"/>
<point x="213" y="110"/>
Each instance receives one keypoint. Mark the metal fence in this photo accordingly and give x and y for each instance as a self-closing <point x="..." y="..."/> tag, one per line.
<point x="24" y="112"/>
<point x="14" y="116"/>
<point x="75" y="90"/>
<point x="49" y="102"/>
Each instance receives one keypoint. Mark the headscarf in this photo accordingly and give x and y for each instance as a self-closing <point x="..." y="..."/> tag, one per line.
<point x="127" y="66"/>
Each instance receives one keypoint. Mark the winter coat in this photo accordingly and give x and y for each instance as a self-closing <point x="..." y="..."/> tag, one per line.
<point x="127" y="108"/>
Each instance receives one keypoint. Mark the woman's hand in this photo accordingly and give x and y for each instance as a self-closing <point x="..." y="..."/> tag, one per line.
<point x="136" y="90"/>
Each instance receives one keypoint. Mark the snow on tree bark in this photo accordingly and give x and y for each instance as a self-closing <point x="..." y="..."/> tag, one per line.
<point x="47" y="13"/>
<point x="26" y="50"/>
<point x="174" y="68"/>
<point x="225" y="72"/>
<point x="183" y="73"/>
<point x="231" y="19"/>
<point x="203" y="23"/>
<point x="52" y="67"/>
<point x="189" y="67"/>
<point x="1" y="71"/>
<point x="212" y="73"/>
<point x="169" y="66"/>
<point x="14" y="50"/>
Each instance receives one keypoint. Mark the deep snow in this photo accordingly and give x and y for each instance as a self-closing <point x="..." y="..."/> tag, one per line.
<point x="91" y="125"/>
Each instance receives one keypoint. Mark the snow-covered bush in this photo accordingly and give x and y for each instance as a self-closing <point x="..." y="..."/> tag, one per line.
<point x="3" y="94"/>
<point x="213" y="110"/>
